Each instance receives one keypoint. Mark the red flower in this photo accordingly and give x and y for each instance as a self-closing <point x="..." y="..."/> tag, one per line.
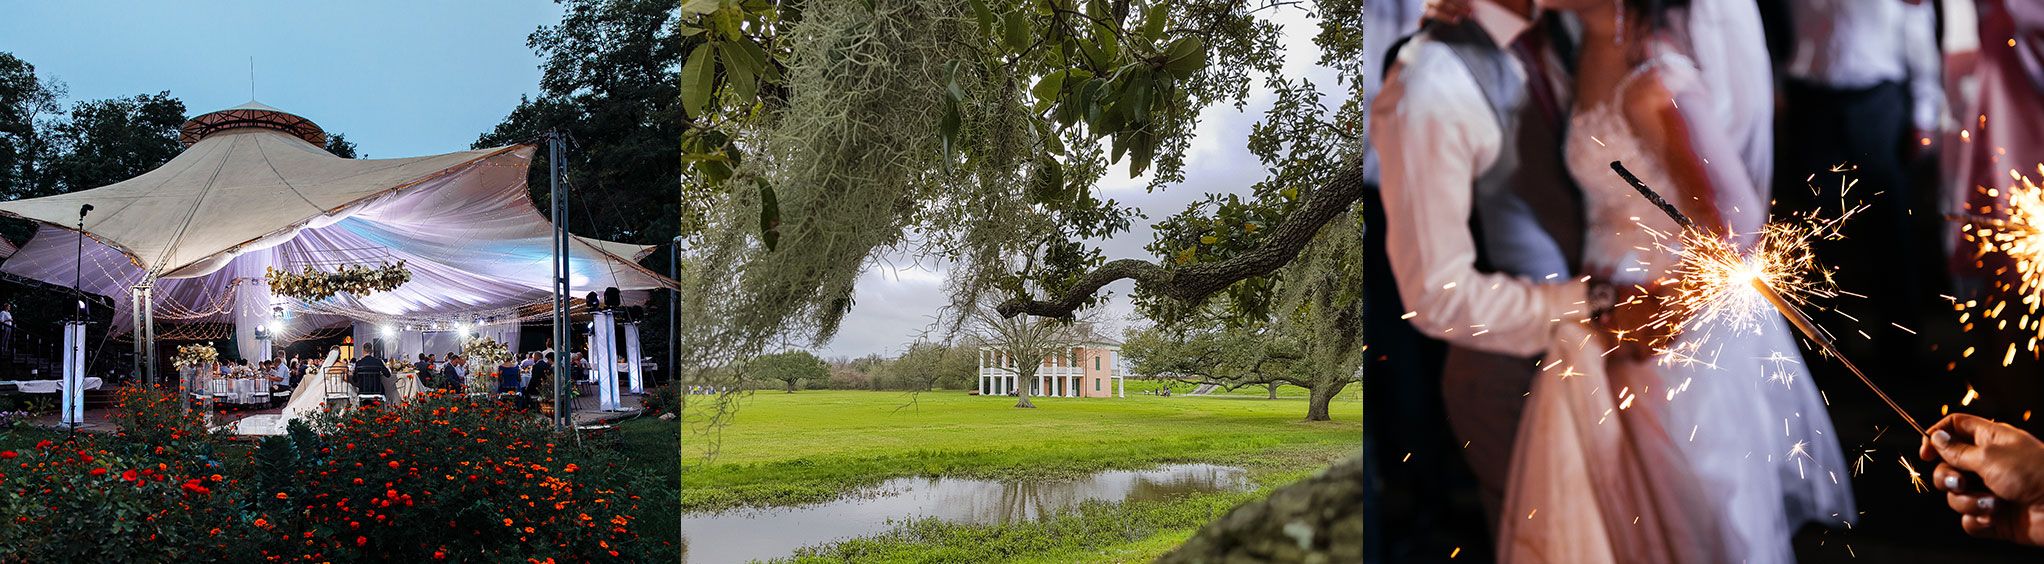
<point x="44" y="444"/>
<point x="7" y="454"/>
<point x="129" y="475"/>
<point x="359" y="541"/>
<point x="280" y="495"/>
<point x="393" y="464"/>
<point x="194" y="486"/>
<point x="571" y="468"/>
<point x="98" y="472"/>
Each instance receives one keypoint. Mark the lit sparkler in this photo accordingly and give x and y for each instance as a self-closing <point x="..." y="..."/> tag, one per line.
<point x="2019" y="236"/>
<point x="1717" y="283"/>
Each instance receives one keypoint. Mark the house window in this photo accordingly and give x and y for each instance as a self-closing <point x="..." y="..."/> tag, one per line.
<point x="1096" y="382"/>
<point x="1096" y="364"/>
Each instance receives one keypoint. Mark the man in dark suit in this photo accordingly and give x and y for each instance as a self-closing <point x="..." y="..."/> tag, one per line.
<point x="369" y="374"/>
<point x="542" y="378"/>
<point x="454" y="375"/>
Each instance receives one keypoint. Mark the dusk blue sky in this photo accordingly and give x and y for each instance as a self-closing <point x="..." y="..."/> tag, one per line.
<point x="398" y="78"/>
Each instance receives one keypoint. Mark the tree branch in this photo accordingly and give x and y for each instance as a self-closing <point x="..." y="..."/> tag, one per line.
<point x="1195" y="282"/>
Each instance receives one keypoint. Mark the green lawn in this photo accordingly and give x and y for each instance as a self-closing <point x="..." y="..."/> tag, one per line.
<point x="810" y="446"/>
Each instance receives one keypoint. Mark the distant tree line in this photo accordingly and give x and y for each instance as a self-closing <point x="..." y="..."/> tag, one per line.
<point x="923" y="367"/>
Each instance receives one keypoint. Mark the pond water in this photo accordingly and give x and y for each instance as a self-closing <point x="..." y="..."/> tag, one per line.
<point x="743" y="535"/>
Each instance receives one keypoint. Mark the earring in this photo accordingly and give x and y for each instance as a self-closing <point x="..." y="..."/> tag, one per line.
<point x="1619" y="37"/>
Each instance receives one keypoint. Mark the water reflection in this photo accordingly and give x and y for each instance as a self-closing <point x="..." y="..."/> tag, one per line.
<point x="757" y="534"/>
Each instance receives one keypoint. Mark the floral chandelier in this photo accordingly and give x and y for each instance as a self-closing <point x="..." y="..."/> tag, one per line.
<point x="314" y="285"/>
<point x="194" y="355"/>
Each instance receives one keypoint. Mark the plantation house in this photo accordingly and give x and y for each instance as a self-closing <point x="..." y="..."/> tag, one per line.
<point x="1090" y="370"/>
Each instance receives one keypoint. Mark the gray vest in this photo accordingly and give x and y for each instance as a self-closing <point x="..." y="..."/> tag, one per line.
<point x="1528" y="214"/>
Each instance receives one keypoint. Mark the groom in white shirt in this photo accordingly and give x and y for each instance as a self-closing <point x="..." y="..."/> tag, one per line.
<point x="1484" y="228"/>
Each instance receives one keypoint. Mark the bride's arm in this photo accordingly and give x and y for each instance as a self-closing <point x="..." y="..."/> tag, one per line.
<point x="1711" y="185"/>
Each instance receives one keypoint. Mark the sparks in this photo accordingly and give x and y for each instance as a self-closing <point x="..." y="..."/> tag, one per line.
<point x="1915" y="478"/>
<point x="1718" y="284"/>
<point x="2013" y="233"/>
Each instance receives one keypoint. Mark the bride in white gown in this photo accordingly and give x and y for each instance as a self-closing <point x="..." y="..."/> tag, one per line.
<point x="1718" y="458"/>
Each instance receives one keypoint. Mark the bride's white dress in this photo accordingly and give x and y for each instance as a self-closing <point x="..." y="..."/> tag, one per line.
<point x="306" y="399"/>
<point x="1715" y="460"/>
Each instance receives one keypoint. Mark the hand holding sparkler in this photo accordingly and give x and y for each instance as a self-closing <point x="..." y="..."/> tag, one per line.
<point x="1633" y="325"/>
<point x="1993" y="475"/>
<point x="1719" y="283"/>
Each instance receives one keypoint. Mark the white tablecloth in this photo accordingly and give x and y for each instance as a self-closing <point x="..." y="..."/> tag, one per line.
<point x="50" y="386"/>
<point x="238" y="390"/>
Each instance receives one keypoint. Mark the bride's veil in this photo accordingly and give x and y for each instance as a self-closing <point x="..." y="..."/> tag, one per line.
<point x="1729" y="46"/>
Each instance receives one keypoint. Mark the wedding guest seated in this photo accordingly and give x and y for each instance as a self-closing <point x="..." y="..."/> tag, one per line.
<point x="370" y="371"/>
<point x="509" y="377"/>
<point x="1993" y="475"/>
<point x="281" y="375"/>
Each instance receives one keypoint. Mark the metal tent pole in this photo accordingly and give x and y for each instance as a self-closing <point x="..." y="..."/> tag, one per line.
<point x="561" y="286"/>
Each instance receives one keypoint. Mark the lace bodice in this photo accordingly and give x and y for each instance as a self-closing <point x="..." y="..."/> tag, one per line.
<point x="1629" y="239"/>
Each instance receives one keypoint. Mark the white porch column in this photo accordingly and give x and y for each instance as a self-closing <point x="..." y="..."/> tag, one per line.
<point x="1121" y="384"/>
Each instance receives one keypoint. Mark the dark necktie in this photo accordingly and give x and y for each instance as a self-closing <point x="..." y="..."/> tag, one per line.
<point x="1531" y="49"/>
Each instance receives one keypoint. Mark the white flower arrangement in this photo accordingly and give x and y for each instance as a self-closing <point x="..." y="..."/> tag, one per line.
<point x="194" y="355"/>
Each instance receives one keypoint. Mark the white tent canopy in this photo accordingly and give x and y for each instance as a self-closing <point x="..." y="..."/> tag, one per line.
<point x="254" y="189"/>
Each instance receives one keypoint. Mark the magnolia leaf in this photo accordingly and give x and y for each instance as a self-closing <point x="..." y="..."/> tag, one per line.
<point x="1153" y="22"/>
<point x="1141" y="149"/>
<point x="1047" y="90"/>
<point x="1184" y="57"/>
<point x="696" y="7"/>
<point x="948" y="128"/>
<point x="741" y="71"/>
<point x="1015" y="29"/>
<point x="698" y="76"/>
<point x="985" y="16"/>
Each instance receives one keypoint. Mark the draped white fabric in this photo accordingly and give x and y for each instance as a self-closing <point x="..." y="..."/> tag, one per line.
<point x="603" y="359"/>
<point x="206" y="224"/>
<point x="251" y="308"/>
<point x="634" y="359"/>
<point x="74" y="374"/>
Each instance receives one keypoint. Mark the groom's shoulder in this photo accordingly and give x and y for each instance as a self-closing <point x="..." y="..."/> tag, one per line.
<point x="1428" y="71"/>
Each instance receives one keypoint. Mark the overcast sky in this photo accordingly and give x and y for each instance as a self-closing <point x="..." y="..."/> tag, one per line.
<point x="896" y="302"/>
<point x="415" y="78"/>
<point x="398" y="78"/>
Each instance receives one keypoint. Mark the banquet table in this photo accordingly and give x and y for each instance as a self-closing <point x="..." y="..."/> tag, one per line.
<point x="50" y="386"/>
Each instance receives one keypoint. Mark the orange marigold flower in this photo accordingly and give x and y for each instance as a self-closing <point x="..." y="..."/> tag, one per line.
<point x="282" y="495"/>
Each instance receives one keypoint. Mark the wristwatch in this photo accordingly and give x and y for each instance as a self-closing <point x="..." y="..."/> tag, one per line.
<point x="1601" y="298"/>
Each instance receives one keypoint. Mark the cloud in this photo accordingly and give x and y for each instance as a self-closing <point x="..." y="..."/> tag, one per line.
<point x="896" y="302"/>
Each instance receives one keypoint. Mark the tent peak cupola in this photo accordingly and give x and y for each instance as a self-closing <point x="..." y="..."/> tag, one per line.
<point x="251" y="114"/>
